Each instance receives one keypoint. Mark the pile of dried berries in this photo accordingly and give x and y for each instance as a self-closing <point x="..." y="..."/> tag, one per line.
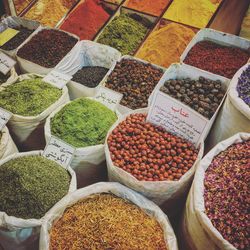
<point x="90" y="76"/>
<point x="243" y="86"/>
<point x="47" y="48"/>
<point x="203" y="95"/>
<point x="105" y="221"/>
<point x="216" y="58"/>
<point x="135" y="80"/>
<point x="227" y="194"/>
<point x="18" y="39"/>
<point x="148" y="152"/>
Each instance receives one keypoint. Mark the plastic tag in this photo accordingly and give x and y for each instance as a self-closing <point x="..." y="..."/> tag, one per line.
<point x="57" y="79"/>
<point x="6" y="63"/>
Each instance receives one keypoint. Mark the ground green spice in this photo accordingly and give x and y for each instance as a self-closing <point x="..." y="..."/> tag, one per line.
<point x="83" y="122"/>
<point x="29" y="97"/>
<point x="31" y="185"/>
<point x="123" y="33"/>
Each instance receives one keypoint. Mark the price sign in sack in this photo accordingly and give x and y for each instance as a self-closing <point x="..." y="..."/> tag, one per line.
<point x="6" y="63"/>
<point x="57" y="79"/>
<point x="59" y="151"/>
<point x="4" y="117"/>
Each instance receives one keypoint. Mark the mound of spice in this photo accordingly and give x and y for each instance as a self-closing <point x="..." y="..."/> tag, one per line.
<point x="29" y="97"/>
<point x="83" y="122"/>
<point x="124" y="33"/>
<point x="202" y="95"/>
<point x="20" y="5"/>
<point x="243" y="86"/>
<point x="18" y="39"/>
<point x="216" y="58"/>
<point x="105" y="221"/>
<point x="31" y="185"/>
<point x="90" y="76"/>
<point x="148" y="6"/>
<point x="86" y="19"/>
<point x="4" y="78"/>
<point x="227" y="194"/>
<point x="148" y="152"/>
<point x="55" y="43"/>
<point x="135" y="80"/>
<point x="166" y="44"/>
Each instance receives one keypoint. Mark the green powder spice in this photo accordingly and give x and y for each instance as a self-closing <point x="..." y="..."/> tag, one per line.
<point x="123" y="33"/>
<point x="29" y="97"/>
<point x="83" y="122"/>
<point x="31" y="185"/>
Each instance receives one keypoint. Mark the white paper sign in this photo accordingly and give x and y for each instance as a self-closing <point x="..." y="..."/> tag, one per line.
<point x="6" y="63"/>
<point x="59" y="151"/>
<point x="108" y="97"/>
<point x="4" y="117"/>
<point x="57" y="79"/>
<point x="176" y="118"/>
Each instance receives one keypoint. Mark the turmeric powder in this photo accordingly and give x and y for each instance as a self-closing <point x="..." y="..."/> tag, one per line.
<point x="166" y="44"/>
<point x="196" y="13"/>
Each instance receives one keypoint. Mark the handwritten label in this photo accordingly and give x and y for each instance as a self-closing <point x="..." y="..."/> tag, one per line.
<point x="6" y="63"/>
<point x="7" y="34"/>
<point x="108" y="97"/>
<point x="59" y="151"/>
<point x="176" y="118"/>
<point x="4" y="117"/>
<point x="57" y="79"/>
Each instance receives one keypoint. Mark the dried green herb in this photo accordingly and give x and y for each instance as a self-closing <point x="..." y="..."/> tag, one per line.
<point x="31" y="185"/>
<point x="83" y="122"/>
<point x="29" y="97"/>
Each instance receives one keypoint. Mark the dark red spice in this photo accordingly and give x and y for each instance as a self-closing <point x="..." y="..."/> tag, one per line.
<point x="86" y="20"/>
<point x="216" y="58"/>
<point x="148" y="152"/>
<point x="227" y="194"/>
<point x="47" y="48"/>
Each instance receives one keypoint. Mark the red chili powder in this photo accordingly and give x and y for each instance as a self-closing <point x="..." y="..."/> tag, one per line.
<point x="86" y="19"/>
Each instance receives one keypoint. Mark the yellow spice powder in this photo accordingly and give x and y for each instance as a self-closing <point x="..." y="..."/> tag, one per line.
<point x="196" y="13"/>
<point x="165" y="45"/>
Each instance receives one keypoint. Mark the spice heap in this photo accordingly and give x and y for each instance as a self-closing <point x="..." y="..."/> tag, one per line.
<point x="49" y="12"/>
<point x="124" y="34"/>
<point x="166" y="44"/>
<point x="20" y="5"/>
<point x="4" y="78"/>
<point x="18" y="39"/>
<point x="83" y="122"/>
<point x="227" y="194"/>
<point x="216" y="58"/>
<point x="135" y="80"/>
<point x="104" y="221"/>
<point x="243" y="86"/>
<point x="202" y="95"/>
<point x="31" y="185"/>
<point x="196" y="13"/>
<point x="90" y="76"/>
<point x="55" y="43"/>
<point x="86" y="19"/>
<point x="148" y="6"/>
<point x="148" y="152"/>
<point x="29" y="97"/>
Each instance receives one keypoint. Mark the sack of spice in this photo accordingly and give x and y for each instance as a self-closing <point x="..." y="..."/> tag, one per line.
<point x="30" y="100"/>
<point x="234" y="116"/>
<point x="217" y="209"/>
<point x="30" y="185"/>
<point x="125" y="219"/>
<point x="7" y="146"/>
<point x="150" y="160"/>
<point x="84" y="124"/>
<point x="88" y="63"/>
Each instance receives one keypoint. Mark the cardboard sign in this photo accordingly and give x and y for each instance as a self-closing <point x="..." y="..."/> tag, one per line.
<point x="108" y="97"/>
<point x="59" y="151"/>
<point x="57" y="79"/>
<point x="177" y="118"/>
<point x="4" y="117"/>
<point x="6" y="63"/>
<point x="7" y="34"/>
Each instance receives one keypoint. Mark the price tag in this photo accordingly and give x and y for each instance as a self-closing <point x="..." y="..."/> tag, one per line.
<point x="59" y="151"/>
<point x="176" y="118"/>
<point x="57" y="79"/>
<point x="6" y="63"/>
<point x="108" y="97"/>
<point x="4" y="117"/>
<point x="7" y="34"/>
